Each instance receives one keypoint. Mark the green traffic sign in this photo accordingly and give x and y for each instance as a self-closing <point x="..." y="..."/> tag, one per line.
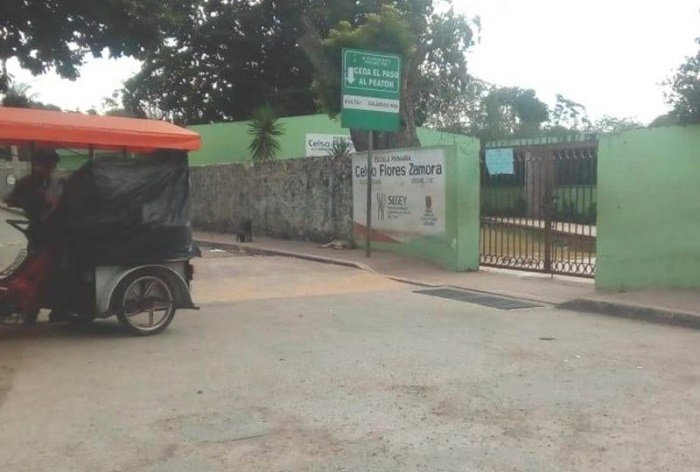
<point x="371" y="94"/>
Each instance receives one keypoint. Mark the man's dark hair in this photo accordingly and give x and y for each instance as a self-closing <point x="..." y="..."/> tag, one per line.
<point x="46" y="156"/>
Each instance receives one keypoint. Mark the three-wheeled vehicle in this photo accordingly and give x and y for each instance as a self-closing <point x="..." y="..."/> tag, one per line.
<point x="119" y="242"/>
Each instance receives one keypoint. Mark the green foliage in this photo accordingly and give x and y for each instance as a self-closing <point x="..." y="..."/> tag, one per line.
<point x="58" y="34"/>
<point x="684" y="91"/>
<point x="20" y="95"/>
<point x="611" y="124"/>
<point x="455" y="111"/>
<point x="518" y="208"/>
<point x="340" y="148"/>
<point x="121" y="112"/>
<point x="667" y="119"/>
<point x="492" y="112"/>
<point x="228" y="57"/>
<point x="387" y="31"/>
<point x="433" y="47"/>
<point x="569" y="115"/>
<point x="225" y="60"/>
<point x="264" y="129"/>
<point x="447" y="97"/>
<point x="592" y="214"/>
<point x="512" y="111"/>
<point x="570" y="213"/>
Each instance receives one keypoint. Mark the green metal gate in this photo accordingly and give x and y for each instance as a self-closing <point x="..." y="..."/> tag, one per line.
<point x="538" y="205"/>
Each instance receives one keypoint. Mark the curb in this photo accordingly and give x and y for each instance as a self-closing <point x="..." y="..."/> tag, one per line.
<point x="634" y="312"/>
<point x="281" y="252"/>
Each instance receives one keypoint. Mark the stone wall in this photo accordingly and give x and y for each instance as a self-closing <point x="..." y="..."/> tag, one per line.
<point x="305" y="199"/>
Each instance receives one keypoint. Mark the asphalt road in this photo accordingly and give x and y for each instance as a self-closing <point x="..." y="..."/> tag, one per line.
<point x="297" y="366"/>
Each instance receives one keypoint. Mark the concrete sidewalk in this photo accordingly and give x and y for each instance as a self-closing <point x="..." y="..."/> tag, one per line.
<point x="681" y="308"/>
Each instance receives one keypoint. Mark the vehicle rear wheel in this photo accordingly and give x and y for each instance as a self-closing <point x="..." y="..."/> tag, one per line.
<point x="145" y="304"/>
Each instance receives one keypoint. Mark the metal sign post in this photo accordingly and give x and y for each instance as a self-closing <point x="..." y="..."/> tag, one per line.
<point x="370" y="145"/>
<point x="371" y="99"/>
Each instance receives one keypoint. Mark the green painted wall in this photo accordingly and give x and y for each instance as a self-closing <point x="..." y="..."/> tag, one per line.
<point x="224" y="143"/>
<point x="458" y="247"/>
<point x="649" y="209"/>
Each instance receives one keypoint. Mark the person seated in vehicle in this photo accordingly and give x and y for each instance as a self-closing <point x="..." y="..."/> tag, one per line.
<point x="36" y="195"/>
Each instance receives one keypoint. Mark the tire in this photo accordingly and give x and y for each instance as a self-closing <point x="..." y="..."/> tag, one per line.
<point x="145" y="294"/>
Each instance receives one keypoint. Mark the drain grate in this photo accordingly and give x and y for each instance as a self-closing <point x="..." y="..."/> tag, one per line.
<point x="477" y="298"/>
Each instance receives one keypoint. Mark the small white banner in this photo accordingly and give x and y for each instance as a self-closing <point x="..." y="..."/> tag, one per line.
<point x="322" y="144"/>
<point x="354" y="102"/>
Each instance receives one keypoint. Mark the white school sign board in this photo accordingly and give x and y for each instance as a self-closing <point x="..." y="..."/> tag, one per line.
<point x="408" y="194"/>
<point x="322" y="144"/>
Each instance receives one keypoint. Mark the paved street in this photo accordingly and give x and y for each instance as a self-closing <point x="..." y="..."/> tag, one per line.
<point x="293" y="365"/>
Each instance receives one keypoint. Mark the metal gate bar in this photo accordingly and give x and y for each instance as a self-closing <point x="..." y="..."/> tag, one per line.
<point x="538" y="212"/>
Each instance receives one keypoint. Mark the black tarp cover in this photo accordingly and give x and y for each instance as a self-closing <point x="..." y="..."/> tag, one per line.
<point x="127" y="211"/>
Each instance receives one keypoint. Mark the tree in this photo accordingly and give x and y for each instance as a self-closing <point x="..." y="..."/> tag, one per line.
<point x="226" y="59"/>
<point x="462" y="112"/>
<point x="511" y="111"/>
<point x="611" y="124"/>
<point x="113" y="107"/>
<point x="44" y="34"/>
<point x="684" y="91"/>
<point x="433" y="47"/>
<point x="388" y="29"/>
<point x="264" y="128"/>
<point x="667" y="119"/>
<point x="231" y="56"/>
<point x="568" y="115"/>
<point x="19" y="95"/>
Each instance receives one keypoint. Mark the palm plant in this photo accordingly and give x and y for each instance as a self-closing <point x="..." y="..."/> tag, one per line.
<point x="264" y="129"/>
<point x="341" y="148"/>
<point x="19" y="96"/>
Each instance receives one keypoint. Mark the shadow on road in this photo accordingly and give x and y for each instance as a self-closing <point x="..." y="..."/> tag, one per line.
<point x="97" y="329"/>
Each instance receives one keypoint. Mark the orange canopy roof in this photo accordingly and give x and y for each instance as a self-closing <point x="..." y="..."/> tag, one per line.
<point x="74" y="130"/>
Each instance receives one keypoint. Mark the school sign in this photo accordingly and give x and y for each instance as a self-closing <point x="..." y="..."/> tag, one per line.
<point x="408" y="196"/>
<point x="371" y="92"/>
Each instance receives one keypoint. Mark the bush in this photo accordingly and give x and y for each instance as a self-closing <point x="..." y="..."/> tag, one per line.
<point x="569" y="213"/>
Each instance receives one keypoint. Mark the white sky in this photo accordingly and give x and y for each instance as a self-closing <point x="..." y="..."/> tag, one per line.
<point x="609" y="55"/>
